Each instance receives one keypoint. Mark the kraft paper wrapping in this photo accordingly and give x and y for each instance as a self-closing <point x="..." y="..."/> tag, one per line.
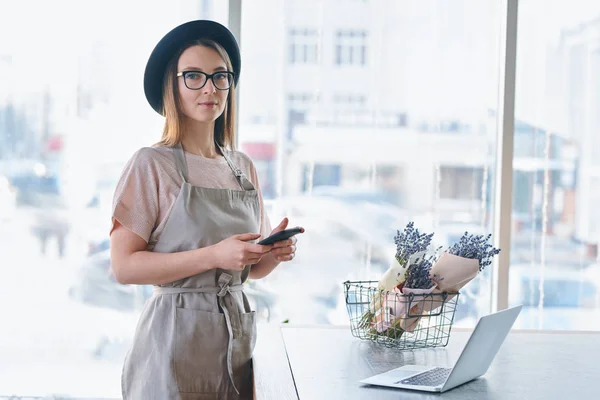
<point x="417" y="306"/>
<point x="452" y="273"/>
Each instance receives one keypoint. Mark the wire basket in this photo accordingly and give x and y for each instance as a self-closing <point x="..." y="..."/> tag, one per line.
<point x="403" y="321"/>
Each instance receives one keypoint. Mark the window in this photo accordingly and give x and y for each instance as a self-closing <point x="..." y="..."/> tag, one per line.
<point x="265" y="172"/>
<point x="304" y="47"/>
<point x="298" y="105"/>
<point x="555" y="267"/>
<point x="320" y="175"/>
<point x="302" y="101"/>
<point x="71" y="114"/>
<point x="461" y="183"/>
<point x="351" y="47"/>
<point x="425" y="151"/>
<point x="351" y="167"/>
<point x="344" y="101"/>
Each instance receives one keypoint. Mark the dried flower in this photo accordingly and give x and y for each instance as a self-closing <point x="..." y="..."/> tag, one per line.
<point x="418" y="274"/>
<point x="410" y="242"/>
<point x="475" y="247"/>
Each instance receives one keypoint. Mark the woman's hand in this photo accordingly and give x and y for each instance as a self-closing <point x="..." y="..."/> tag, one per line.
<point x="284" y="250"/>
<point x="234" y="253"/>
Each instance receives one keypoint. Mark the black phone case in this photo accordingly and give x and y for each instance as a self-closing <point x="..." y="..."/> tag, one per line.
<point x="279" y="236"/>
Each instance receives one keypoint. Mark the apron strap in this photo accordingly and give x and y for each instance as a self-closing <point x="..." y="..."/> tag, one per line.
<point x="244" y="183"/>
<point x="180" y="162"/>
<point x="182" y="168"/>
<point x="163" y="290"/>
<point x="234" y="325"/>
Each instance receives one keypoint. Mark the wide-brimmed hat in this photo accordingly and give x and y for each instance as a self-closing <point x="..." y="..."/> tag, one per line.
<point x="172" y="43"/>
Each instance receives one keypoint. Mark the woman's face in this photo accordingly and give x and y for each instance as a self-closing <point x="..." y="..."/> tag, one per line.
<point x="207" y="103"/>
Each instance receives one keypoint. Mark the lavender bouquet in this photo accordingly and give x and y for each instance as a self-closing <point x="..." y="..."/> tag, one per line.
<point x="419" y="271"/>
<point x="411" y="248"/>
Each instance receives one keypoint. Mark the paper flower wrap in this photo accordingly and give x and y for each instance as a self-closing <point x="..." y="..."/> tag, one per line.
<point x="395" y="307"/>
<point x="452" y="273"/>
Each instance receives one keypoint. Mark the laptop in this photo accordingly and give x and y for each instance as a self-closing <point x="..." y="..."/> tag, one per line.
<point x="474" y="360"/>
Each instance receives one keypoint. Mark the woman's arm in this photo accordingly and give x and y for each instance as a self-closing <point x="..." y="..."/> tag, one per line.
<point x="133" y="264"/>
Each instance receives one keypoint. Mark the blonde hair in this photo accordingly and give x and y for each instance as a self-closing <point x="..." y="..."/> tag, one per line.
<point x="173" y="128"/>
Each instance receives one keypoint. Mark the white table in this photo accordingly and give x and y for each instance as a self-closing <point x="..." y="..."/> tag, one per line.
<point x="326" y="362"/>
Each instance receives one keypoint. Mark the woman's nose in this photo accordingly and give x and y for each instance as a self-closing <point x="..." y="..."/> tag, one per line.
<point x="209" y="87"/>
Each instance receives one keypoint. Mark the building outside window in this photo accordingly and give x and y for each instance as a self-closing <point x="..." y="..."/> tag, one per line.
<point x="349" y="100"/>
<point x="461" y="183"/>
<point x="304" y="46"/>
<point x="351" y="47"/>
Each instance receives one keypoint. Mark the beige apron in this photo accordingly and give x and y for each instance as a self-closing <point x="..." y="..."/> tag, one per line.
<point x="195" y="336"/>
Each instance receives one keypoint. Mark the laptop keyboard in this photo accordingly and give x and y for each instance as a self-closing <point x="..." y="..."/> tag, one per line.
<point x="433" y="377"/>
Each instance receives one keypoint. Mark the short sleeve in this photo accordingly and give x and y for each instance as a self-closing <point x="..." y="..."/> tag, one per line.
<point x="135" y="203"/>
<point x="265" y="223"/>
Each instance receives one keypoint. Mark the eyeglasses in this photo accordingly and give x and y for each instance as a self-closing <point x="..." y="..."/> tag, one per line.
<point x="195" y="80"/>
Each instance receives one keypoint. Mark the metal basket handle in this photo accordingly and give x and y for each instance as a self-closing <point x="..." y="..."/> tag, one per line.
<point x="411" y="297"/>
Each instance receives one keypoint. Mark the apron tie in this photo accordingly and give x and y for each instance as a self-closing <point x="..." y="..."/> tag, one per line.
<point x="224" y="280"/>
<point x="225" y="288"/>
<point x="222" y="290"/>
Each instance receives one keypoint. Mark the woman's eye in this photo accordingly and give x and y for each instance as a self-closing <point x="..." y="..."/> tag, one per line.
<point x="193" y="75"/>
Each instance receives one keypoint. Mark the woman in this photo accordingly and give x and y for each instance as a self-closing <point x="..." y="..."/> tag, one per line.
<point x="186" y="213"/>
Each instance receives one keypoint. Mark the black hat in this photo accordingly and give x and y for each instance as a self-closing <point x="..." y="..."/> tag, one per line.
<point x="172" y="42"/>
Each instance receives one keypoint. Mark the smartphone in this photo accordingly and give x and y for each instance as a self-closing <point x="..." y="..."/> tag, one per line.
<point x="283" y="235"/>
